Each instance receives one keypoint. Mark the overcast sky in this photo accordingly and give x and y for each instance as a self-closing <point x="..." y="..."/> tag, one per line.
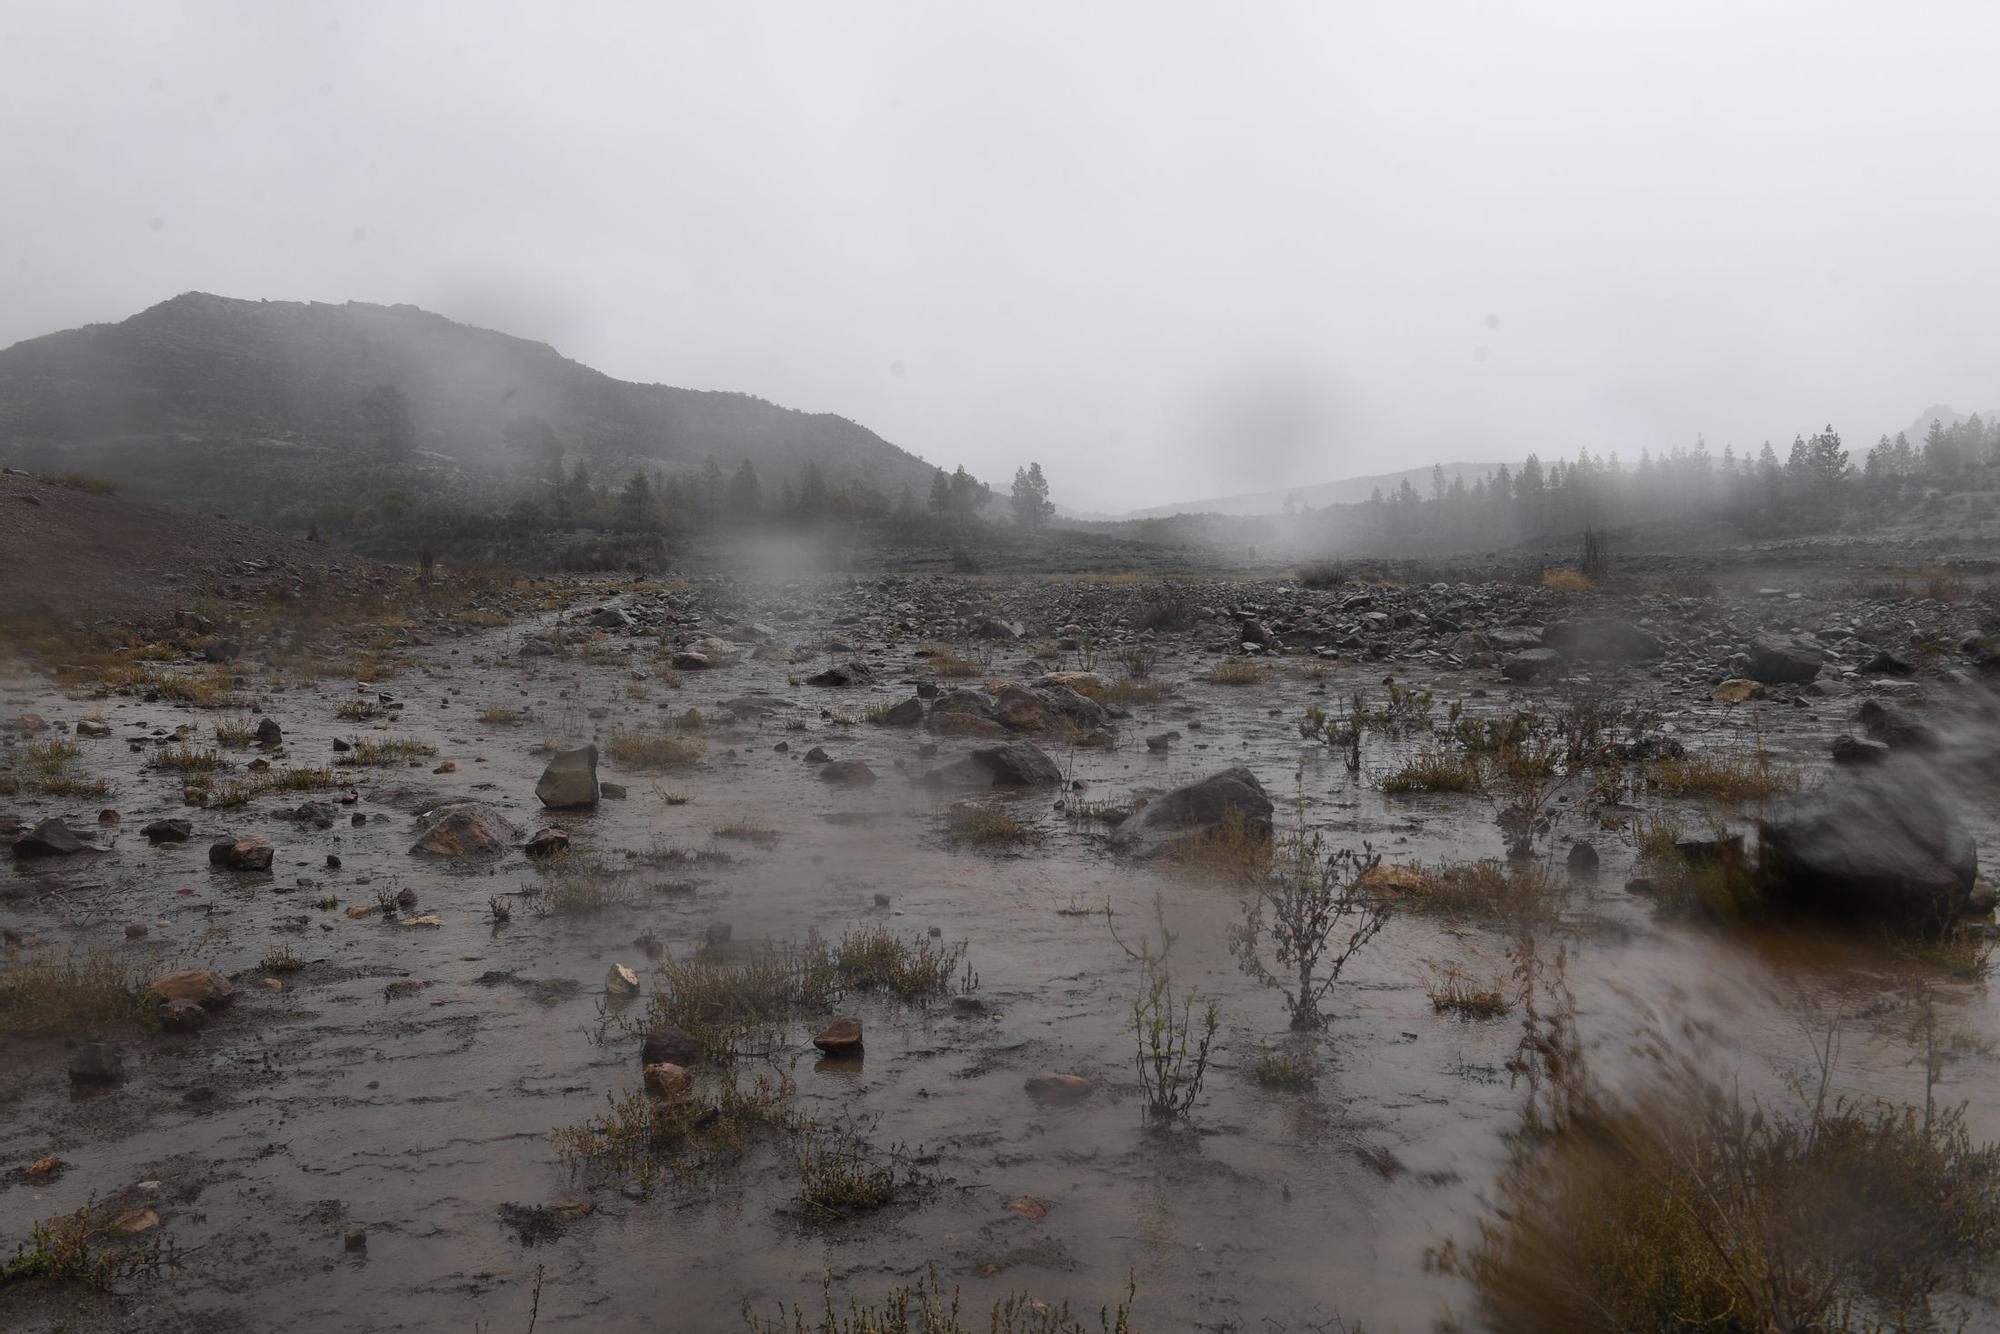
<point x="1169" y="251"/>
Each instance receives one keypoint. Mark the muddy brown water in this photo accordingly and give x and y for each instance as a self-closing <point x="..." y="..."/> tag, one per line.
<point x="422" y="1116"/>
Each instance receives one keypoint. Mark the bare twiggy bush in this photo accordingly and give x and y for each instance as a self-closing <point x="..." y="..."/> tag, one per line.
<point x="1320" y="916"/>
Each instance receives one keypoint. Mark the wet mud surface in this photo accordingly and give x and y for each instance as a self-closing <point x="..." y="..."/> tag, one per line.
<point x="405" y="1081"/>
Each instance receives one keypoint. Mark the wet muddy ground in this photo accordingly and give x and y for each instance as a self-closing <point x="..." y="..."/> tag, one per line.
<point x="404" y="1083"/>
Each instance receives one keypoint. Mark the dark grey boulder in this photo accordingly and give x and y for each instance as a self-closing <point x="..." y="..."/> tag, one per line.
<point x="1895" y="727"/>
<point x="1884" y="847"/>
<point x="96" y="1062"/>
<point x="463" y="830"/>
<point x="847" y="773"/>
<point x="1858" y="750"/>
<point x="1602" y="640"/>
<point x="1532" y="664"/>
<point x="50" y="838"/>
<point x="907" y="713"/>
<point x="269" y="733"/>
<point x="1016" y="764"/>
<point x="570" y="780"/>
<point x="1200" y="807"/>
<point x="842" y="674"/>
<point x="1783" y="660"/>
<point x="168" y="831"/>
<point x="240" y="854"/>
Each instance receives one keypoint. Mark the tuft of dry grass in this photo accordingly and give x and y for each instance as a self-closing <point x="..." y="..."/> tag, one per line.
<point x="926" y="1308"/>
<point x="1486" y="890"/>
<point x="945" y="663"/>
<point x="654" y="750"/>
<point x="1569" y="581"/>
<point x="1435" y="771"/>
<point x="68" y="993"/>
<point x="987" y="826"/>
<point x="1236" y="672"/>
<point x="748" y="831"/>
<point x="1455" y="992"/>
<point x="185" y="759"/>
<point x="392" y="750"/>
<point x="1236" y="848"/>
<point x="1730" y="778"/>
<point x="503" y="715"/>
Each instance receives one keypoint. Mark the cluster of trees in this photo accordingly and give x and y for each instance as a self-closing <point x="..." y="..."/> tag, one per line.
<point x="1815" y="484"/>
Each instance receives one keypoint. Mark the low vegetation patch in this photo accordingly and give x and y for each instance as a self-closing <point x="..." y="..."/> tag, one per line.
<point x="655" y="750"/>
<point x="1730" y="778"/>
<point x="579" y="886"/>
<point x="185" y="759"/>
<point x="67" y="993"/>
<point x="1488" y="890"/>
<point x="1435" y="771"/>
<point x="987" y="826"/>
<point x="642" y="1135"/>
<point x="503" y="715"/>
<point x="1236" y="672"/>
<point x="926" y="1308"/>
<point x="1455" y="992"/>
<point x="392" y="750"/>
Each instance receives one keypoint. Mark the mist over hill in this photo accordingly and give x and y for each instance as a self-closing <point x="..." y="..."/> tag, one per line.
<point x="208" y="399"/>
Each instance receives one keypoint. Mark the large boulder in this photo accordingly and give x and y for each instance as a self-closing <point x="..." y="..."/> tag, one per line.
<point x="1602" y="640"/>
<point x="1199" y="808"/>
<point x="1895" y="726"/>
<point x="570" y="781"/>
<point x="1016" y="764"/>
<point x="966" y="713"/>
<point x="240" y="854"/>
<point x="463" y="830"/>
<point x="1783" y="660"/>
<point x="843" y="674"/>
<point x="1532" y="664"/>
<point x="196" y="986"/>
<point x="907" y="713"/>
<point x="847" y="773"/>
<point x="1885" y="848"/>
<point x="50" y="838"/>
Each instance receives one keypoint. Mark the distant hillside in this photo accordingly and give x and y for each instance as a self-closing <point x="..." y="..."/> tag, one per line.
<point x="1348" y="490"/>
<point x="205" y="392"/>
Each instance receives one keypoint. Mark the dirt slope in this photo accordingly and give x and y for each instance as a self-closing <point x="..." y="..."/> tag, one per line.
<point x="70" y="556"/>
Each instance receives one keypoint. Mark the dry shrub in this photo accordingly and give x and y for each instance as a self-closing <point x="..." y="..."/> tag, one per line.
<point x="927" y="1309"/>
<point x="392" y="750"/>
<point x="705" y="1127"/>
<point x="1686" y="1206"/>
<point x="987" y="826"/>
<point x="503" y="715"/>
<point x="1435" y="771"/>
<point x="1454" y="991"/>
<point x="1321" y="574"/>
<point x="1568" y="581"/>
<point x="945" y="663"/>
<point x="1732" y="778"/>
<point x="69" y="993"/>
<point x="1236" y="847"/>
<point x="1487" y="890"/>
<point x="1236" y="672"/>
<point x="654" y="750"/>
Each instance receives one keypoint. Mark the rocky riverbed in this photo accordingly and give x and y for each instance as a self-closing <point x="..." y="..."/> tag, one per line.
<point x="413" y="928"/>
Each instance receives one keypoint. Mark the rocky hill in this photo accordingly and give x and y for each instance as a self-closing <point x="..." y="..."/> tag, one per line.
<point x="202" y="398"/>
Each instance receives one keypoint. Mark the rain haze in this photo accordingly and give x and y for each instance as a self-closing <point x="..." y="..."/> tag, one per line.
<point x="1171" y="251"/>
<point x="993" y="668"/>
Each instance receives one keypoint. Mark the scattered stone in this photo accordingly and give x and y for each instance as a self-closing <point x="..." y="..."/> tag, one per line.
<point x="91" y="727"/>
<point x="848" y="773"/>
<point x="570" y="781"/>
<point x="198" y="986"/>
<point x="1532" y="664"/>
<point x="1016" y="764"/>
<point x="547" y="842"/>
<point x="1603" y="640"/>
<point x="666" y="1079"/>
<point x="1884" y="847"/>
<point x="842" y="1037"/>
<point x="842" y="674"/>
<point x="240" y="854"/>
<point x="1737" y="690"/>
<point x="1199" y="808"/>
<point x="1783" y="660"/>
<point x="907" y="713"/>
<point x="355" y="1242"/>
<point x="183" y="1016"/>
<point x="670" y="1044"/>
<point x="50" y="838"/>
<point x="269" y="733"/>
<point x="1582" y="857"/>
<point x="464" y="830"/>
<point x="1848" y="749"/>
<point x="621" y="981"/>
<point x="96" y="1062"/>
<point x="1057" y="1089"/>
<point x="1895" y="727"/>
<point x="168" y="831"/>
